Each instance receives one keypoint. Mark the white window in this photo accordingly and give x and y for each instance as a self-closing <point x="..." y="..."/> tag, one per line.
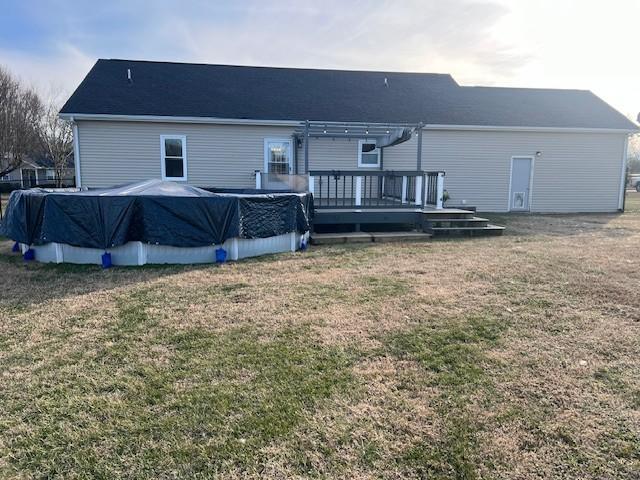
<point x="51" y="174"/>
<point x="368" y="154"/>
<point x="277" y="155"/>
<point x="173" y="156"/>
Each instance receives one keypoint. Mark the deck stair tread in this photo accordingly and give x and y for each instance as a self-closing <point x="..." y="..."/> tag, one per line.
<point x="462" y="214"/>
<point x="473" y="231"/>
<point x="486" y="227"/>
<point x="460" y="220"/>
<point x="366" y="237"/>
<point x="446" y="211"/>
<point x="399" y="236"/>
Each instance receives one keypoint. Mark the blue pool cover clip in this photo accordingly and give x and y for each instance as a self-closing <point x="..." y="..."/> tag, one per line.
<point x="221" y="255"/>
<point x="106" y="260"/>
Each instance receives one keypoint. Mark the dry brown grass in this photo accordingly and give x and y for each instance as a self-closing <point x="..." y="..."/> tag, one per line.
<point x="551" y="391"/>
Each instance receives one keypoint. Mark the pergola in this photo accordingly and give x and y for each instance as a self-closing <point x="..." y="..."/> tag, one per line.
<point x="385" y="134"/>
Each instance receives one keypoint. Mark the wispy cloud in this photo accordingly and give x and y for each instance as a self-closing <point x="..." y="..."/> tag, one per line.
<point x="491" y="42"/>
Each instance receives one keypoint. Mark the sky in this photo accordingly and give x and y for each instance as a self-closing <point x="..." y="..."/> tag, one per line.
<point x="587" y="44"/>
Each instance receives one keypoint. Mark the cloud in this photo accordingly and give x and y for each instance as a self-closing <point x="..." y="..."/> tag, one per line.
<point x="486" y="42"/>
<point x="60" y="70"/>
<point x="426" y="35"/>
<point x="409" y="35"/>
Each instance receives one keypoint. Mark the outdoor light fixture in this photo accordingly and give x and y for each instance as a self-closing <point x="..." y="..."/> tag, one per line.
<point x="538" y="153"/>
<point x="324" y="131"/>
<point x="346" y="131"/>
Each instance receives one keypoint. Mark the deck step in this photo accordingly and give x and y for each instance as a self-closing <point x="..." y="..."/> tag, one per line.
<point x="435" y="215"/>
<point x="486" y="230"/>
<point x="459" y="222"/>
<point x="384" y="237"/>
<point x="367" y="237"/>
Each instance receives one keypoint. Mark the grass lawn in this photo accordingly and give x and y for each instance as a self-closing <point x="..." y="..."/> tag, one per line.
<point x="508" y="357"/>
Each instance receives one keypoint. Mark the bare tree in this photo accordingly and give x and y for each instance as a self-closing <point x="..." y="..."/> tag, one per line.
<point x="56" y="137"/>
<point x="634" y="147"/>
<point x="20" y="113"/>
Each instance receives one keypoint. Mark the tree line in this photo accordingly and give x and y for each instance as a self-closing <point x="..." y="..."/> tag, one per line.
<point x="633" y="155"/>
<point x="30" y="128"/>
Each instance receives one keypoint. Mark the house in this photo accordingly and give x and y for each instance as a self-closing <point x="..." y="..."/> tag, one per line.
<point x="356" y="139"/>
<point x="36" y="171"/>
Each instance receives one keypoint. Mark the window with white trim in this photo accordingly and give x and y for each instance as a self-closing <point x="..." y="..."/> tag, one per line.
<point x="51" y="174"/>
<point x="277" y="155"/>
<point x="368" y="154"/>
<point x="173" y="156"/>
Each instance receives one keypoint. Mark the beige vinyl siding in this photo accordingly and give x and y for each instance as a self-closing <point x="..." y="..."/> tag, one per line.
<point x="576" y="172"/>
<point x="114" y="153"/>
<point x="332" y="154"/>
<point x="336" y="154"/>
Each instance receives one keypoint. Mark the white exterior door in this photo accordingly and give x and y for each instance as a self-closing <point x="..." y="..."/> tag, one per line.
<point x="520" y="183"/>
<point x="278" y="156"/>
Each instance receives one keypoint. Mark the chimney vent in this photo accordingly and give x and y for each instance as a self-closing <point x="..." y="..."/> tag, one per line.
<point x="129" y="79"/>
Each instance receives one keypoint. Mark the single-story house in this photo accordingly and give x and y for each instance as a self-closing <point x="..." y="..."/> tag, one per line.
<point x="36" y="170"/>
<point x="356" y="137"/>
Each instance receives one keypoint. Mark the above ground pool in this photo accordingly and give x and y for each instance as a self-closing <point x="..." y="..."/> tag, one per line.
<point x="156" y="222"/>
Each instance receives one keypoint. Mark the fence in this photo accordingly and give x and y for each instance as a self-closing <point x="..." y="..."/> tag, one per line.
<point x="8" y="186"/>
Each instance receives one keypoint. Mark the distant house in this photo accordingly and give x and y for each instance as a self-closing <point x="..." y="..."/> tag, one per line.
<point x="37" y="171"/>
<point x="357" y="138"/>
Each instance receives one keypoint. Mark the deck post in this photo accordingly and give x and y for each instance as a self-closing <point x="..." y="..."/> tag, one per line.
<point x="312" y="185"/>
<point x="419" y="190"/>
<point x="306" y="146"/>
<point x="258" y="179"/>
<point x="440" y="190"/>
<point x="404" y="189"/>
<point x="419" y="160"/>
<point x="358" y="199"/>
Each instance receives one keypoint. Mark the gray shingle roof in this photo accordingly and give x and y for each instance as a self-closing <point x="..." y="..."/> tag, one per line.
<point x="264" y="93"/>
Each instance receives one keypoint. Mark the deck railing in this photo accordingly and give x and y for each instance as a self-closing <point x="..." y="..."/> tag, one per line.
<point x="372" y="189"/>
<point x="434" y="189"/>
<point x="362" y="189"/>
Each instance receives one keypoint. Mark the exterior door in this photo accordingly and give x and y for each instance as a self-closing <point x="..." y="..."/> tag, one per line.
<point x="520" y="183"/>
<point x="278" y="156"/>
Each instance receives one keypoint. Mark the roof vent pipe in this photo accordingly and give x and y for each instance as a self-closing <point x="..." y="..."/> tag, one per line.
<point x="386" y="83"/>
<point x="129" y="75"/>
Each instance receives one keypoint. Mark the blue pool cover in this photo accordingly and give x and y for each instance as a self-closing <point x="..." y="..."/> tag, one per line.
<point x="155" y="212"/>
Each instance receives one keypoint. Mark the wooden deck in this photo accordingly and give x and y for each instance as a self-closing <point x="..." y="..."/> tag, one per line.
<point x="432" y="221"/>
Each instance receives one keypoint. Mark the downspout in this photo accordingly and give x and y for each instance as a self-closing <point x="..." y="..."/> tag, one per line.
<point x="306" y="147"/>
<point x="419" y="148"/>
<point x="381" y="179"/>
<point x="294" y="153"/>
<point x="76" y="152"/>
<point x="623" y="176"/>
